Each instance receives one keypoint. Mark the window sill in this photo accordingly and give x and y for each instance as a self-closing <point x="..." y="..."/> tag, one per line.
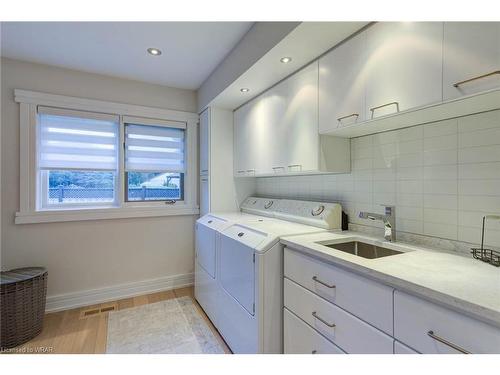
<point x="55" y="216"/>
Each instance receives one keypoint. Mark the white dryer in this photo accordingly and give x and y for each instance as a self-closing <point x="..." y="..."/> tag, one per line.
<point x="207" y="233"/>
<point x="249" y="300"/>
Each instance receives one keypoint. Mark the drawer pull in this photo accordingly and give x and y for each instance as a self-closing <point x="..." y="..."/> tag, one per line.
<point x="476" y="78"/>
<point x="315" y="278"/>
<point x="446" y="342"/>
<point x="384" y="105"/>
<point x="331" y="325"/>
<point x="351" y="115"/>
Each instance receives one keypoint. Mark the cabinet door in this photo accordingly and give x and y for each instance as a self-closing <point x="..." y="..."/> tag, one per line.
<point x="241" y="145"/>
<point x="204" y="195"/>
<point x="204" y="142"/>
<point x="471" y="50"/>
<point x="403" y="66"/>
<point x="299" y="132"/>
<point x="342" y="85"/>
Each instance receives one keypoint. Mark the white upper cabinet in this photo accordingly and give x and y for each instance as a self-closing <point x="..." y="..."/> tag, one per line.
<point x="277" y="132"/>
<point x="403" y="67"/>
<point x="342" y="85"/>
<point x="471" y="58"/>
<point x="204" y="142"/>
<point x="300" y="127"/>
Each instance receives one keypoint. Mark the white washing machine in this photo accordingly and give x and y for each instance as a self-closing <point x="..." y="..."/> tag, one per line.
<point x="207" y="234"/>
<point x="246" y="300"/>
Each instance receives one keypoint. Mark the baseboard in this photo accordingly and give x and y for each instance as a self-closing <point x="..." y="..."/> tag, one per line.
<point x="90" y="297"/>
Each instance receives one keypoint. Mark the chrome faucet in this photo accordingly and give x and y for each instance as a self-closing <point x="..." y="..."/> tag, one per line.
<point x="389" y="220"/>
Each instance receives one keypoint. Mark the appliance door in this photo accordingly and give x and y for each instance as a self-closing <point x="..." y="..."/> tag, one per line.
<point x="206" y="233"/>
<point x="237" y="264"/>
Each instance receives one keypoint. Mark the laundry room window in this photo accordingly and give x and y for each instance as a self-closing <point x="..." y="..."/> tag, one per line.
<point x="77" y="158"/>
<point x="154" y="160"/>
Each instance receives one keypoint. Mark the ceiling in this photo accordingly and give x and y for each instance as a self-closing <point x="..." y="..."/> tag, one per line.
<point x="190" y="50"/>
<point x="304" y="44"/>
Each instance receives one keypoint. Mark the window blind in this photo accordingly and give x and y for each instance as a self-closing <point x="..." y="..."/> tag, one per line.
<point x="74" y="140"/>
<point x="154" y="148"/>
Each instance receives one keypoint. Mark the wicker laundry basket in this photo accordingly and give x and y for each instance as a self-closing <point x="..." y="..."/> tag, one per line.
<point x="22" y="307"/>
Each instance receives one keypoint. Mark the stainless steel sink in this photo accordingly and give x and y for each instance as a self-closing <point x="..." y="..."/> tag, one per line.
<point x="363" y="249"/>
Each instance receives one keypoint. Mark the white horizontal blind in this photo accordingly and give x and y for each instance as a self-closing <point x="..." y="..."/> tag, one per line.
<point x="77" y="140"/>
<point x="154" y="148"/>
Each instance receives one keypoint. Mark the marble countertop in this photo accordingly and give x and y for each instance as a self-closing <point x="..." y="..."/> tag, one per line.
<point x="462" y="284"/>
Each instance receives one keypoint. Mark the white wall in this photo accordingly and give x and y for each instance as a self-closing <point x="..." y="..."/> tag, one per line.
<point x="442" y="177"/>
<point x="89" y="254"/>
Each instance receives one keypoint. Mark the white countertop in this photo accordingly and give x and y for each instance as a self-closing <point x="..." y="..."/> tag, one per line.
<point x="462" y="284"/>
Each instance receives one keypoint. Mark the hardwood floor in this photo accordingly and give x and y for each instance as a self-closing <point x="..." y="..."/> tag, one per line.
<point x="69" y="332"/>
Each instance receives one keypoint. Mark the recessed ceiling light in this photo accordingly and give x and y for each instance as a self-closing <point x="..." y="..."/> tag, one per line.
<point x="244" y="89"/>
<point x="285" y="60"/>
<point x="154" y="51"/>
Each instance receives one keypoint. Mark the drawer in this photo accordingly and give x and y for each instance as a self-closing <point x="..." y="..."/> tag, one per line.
<point x="362" y="297"/>
<point x="403" y="349"/>
<point x="414" y="318"/>
<point x="299" y="338"/>
<point x="343" y="329"/>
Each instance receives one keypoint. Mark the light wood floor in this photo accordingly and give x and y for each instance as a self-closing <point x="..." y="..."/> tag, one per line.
<point x="67" y="332"/>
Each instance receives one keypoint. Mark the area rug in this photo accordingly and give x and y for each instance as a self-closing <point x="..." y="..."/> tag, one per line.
<point x="172" y="326"/>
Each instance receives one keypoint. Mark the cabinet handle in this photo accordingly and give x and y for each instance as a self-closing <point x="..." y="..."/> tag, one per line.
<point x="276" y="168"/>
<point x="240" y="171"/>
<point x="295" y="165"/>
<point x="351" y="115"/>
<point x="446" y="342"/>
<point x="250" y="170"/>
<point x="204" y="170"/>
<point x="316" y="316"/>
<point x="476" y="78"/>
<point x="315" y="278"/>
<point x="384" y="105"/>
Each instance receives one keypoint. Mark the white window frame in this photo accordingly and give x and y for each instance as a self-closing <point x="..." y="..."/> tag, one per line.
<point x="28" y="210"/>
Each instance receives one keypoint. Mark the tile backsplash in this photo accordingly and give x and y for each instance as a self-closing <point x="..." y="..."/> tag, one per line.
<point x="442" y="177"/>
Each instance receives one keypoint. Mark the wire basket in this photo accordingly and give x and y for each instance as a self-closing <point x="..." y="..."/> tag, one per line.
<point x="487" y="255"/>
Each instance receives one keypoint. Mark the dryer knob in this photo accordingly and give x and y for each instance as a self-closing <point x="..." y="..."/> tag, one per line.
<point x="268" y="204"/>
<point x="240" y="234"/>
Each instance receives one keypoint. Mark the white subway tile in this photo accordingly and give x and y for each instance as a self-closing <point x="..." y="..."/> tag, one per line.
<point x="478" y="203"/>
<point x="410" y="186"/>
<point x="409" y="160"/>
<point x="440" y="230"/>
<point x="479" y="171"/>
<point x="410" y="226"/>
<point x="362" y="142"/>
<point x="384" y="173"/>
<point x="412" y="173"/>
<point x="473" y="235"/>
<point x="475" y="219"/>
<point x="449" y="202"/>
<point x="441" y="128"/>
<point x="408" y="212"/>
<point x="440" y="157"/>
<point x="362" y="164"/>
<point x="479" y="187"/>
<point x="387" y="198"/>
<point x="440" y="172"/>
<point x="403" y="199"/>
<point x="479" y="154"/>
<point x="362" y="153"/>
<point x="410" y="147"/>
<point x="441" y="216"/>
<point x="483" y="120"/>
<point x="479" y="138"/>
<point x="387" y="137"/>
<point x="440" y="187"/>
<point x="384" y="186"/>
<point x="445" y="142"/>
<point x="410" y="134"/>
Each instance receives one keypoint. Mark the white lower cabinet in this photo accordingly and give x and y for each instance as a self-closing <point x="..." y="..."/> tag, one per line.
<point x="358" y="315"/>
<point x="364" y="298"/>
<point x="343" y="329"/>
<point x="301" y="339"/>
<point x="433" y="329"/>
